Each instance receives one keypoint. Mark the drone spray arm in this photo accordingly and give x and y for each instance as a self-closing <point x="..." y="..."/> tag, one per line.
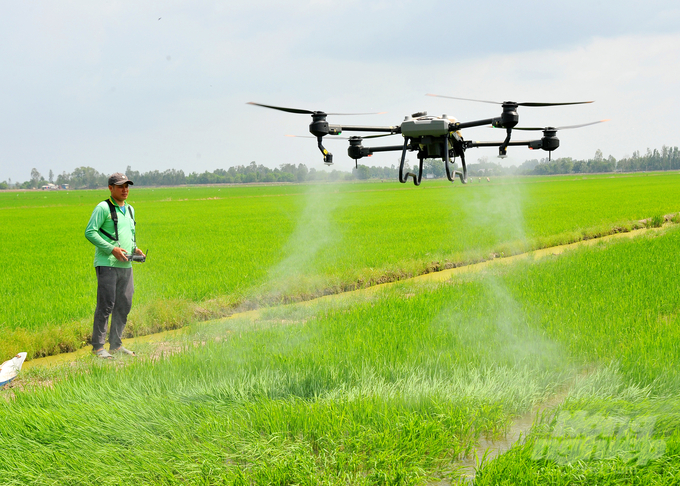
<point x="320" y="128"/>
<point x="454" y="127"/>
<point x="508" y="120"/>
<point x="361" y="128"/>
<point x="547" y="143"/>
<point x="470" y="144"/>
<point x="357" y="151"/>
<point x="327" y="156"/>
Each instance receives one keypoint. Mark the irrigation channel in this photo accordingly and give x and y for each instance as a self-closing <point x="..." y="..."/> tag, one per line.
<point x="486" y="450"/>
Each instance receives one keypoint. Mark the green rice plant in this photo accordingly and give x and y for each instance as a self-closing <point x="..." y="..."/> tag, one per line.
<point x="213" y="249"/>
<point x="391" y="388"/>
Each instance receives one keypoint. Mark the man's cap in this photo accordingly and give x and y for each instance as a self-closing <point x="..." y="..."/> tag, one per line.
<point x="119" y="179"/>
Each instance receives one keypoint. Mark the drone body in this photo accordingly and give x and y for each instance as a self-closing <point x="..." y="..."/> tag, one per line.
<point x="431" y="137"/>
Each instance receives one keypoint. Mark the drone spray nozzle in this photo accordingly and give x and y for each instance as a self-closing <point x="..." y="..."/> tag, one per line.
<point x="320" y="128"/>
<point x="327" y="156"/>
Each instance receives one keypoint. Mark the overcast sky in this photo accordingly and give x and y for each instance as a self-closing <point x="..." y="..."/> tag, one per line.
<point x="161" y="85"/>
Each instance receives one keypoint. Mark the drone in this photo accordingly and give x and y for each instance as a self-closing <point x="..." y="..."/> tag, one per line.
<point x="433" y="137"/>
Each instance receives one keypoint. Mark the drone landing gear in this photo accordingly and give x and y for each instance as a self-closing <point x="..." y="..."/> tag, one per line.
<point x="451" y="175"/>
<point x="422" y="155"/>
<point x="404" y="177"/>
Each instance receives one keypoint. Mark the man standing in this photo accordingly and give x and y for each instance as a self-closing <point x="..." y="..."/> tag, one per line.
<point x="111" y="230"/>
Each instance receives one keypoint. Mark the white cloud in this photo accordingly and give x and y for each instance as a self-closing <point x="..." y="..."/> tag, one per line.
<point x="111" y="85"/>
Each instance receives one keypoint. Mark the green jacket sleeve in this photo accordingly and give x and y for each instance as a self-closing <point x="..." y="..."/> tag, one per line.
<point x="92" y="230"/>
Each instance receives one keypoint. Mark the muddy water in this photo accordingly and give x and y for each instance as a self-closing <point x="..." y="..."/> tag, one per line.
<point x="441" y="276"/>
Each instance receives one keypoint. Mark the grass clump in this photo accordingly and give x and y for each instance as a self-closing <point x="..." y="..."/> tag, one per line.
<point x="656" y="221"/>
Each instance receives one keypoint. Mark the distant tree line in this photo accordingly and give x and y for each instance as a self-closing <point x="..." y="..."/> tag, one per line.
<point x="90" y="178"/>
<point x="668" y="158"/>
<point x="240" y="174"/>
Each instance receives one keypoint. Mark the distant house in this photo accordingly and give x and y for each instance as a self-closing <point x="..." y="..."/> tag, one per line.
<point x="49" y="187"/>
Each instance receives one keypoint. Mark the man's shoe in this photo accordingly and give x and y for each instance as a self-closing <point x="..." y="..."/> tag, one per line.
<point x="102" y="353"/>
<point x="122" y="350"/>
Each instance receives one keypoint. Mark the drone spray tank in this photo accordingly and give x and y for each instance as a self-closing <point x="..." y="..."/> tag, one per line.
<point x="432" y="137"/>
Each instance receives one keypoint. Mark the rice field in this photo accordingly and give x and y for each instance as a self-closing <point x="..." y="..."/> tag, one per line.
<point x="412" y="383"/>
<point x="396" y="386"/>
<point x="216" y="249"/>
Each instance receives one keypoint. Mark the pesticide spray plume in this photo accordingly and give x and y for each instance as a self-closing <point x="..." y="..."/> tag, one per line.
<point x="315" y="237"/>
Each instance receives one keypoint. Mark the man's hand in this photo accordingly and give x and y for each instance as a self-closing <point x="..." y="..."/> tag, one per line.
<point x="139" y="252"/>
<point x="120" y="254"/>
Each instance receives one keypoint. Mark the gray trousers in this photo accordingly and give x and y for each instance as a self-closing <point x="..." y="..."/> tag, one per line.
<point x="115" y="287"/>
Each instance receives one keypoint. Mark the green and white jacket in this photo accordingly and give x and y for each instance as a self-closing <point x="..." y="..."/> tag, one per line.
<point x="101" y="219"/>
